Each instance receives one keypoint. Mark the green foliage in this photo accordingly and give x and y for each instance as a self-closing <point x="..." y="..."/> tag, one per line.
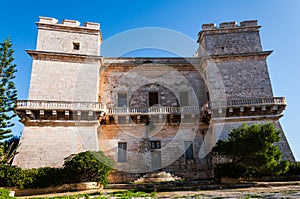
<point x="253" y="147"/>
<point x="88" y="166"/>
<point x="4" y="194"/>
<point x="12" y="176"/>
<point x="83" y="167"/>
<point x="294" y="169"/>
<point x="9" y="175"/>
<point x="8" y="92"/>
<point x="8" y="150"/>
<point x="118" y="194"/>
<point x="132" y="194"/>
<point x="235" y="171"/>
<point x="46" y="177"/>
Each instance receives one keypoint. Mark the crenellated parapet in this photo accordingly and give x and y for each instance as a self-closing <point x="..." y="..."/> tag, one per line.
<point x="230" y="38"/>
<point x="229" y="25"/>
<point x="68" y="37"/>
<point x="68" y="23"/>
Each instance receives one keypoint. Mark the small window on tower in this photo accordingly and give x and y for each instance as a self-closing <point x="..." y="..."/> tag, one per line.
<point x="76" y="45"/>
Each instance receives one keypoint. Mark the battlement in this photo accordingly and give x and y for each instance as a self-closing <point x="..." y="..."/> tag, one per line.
<point x="68" y="36"/>
<point x="229" y="25"/>
<point x="230" y="38"/>
<point x="68" y="23"/>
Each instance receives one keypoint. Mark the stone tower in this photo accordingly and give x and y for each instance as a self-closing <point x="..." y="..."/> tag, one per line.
<point x="61" y="113"/>
<point x="236" y="53"/>
<point x="155" y="113"/>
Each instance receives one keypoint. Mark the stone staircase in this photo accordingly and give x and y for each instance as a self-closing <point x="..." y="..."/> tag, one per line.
<point x="161" y="176"/>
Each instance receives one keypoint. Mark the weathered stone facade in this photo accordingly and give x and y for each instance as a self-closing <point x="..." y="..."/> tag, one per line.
<point x="146" y="114"/>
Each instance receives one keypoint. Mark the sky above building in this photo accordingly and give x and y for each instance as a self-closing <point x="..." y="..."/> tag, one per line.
<point x="279" y="20"/>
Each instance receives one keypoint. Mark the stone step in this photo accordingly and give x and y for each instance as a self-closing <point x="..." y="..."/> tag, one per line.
<point x="157" y="177"/>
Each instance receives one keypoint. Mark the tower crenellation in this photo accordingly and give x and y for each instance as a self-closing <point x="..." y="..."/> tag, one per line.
<point x="48" y="20"/>
<point x="231" y="24"/>
<point x="68" y="36"/>
<point x="68" y="22"/>
<point x="230" y="38"/>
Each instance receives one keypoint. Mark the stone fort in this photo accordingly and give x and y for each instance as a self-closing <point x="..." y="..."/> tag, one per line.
<point x="145" y="113"/>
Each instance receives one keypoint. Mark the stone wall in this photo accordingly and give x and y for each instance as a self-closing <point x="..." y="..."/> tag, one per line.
<point x="48" y="146"/>
<point x="245" y="77"/>
<point x="138" y="79"/>
<point x="229" y="38"/>
<point x="140" y="97"/>
<point x="64" y="81"/>
<point x="55" y="37"/>
<point x="139" y="159"/>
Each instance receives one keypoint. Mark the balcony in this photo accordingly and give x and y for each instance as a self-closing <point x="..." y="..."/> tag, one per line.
<point x="276" y="101"/>
<point x="59" y="105"/>
<point x="153" y="110"/>
<point x="63" y="111"/>
<point x="40" y="112"/>
<point x="267" y="108"/>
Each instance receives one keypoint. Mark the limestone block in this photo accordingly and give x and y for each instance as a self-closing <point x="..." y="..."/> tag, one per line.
<point x="48" y="20"/>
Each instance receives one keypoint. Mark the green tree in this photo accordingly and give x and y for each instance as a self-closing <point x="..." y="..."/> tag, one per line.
<point x="253" y="147"/>
<point x="8" y="92"/>
<point x="8" y="150"/>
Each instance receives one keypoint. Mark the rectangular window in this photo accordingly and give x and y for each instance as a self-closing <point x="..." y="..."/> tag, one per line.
<point x="207" y="95"/>
<point x="184" y="98"/>
<point x="76" y="45"/>
<point x="122" y="99"/>
<point x="122" y="152"/>
<point x="189" y="150"/>
<point x="155" y="145"/>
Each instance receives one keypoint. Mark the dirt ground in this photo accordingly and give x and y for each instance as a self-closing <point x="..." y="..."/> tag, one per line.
<point x="291" y="191"/>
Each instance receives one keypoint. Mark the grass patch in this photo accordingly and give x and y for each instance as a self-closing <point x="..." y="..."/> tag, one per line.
<point x="290" y="192"/>
<point x="132" y="193"/>
<point x="253" y="196"/>
<point x="119" y="194"/>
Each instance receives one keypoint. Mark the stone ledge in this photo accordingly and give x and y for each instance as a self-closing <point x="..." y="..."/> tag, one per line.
<point x="84" y="186"/>
<point x="65" y="57"/>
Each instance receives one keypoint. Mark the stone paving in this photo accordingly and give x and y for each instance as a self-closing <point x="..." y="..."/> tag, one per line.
<point x="257" y="192"/>
<point x="289" y="191"/>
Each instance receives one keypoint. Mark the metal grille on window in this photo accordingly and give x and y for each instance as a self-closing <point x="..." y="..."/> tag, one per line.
<point x="122" y="152"/>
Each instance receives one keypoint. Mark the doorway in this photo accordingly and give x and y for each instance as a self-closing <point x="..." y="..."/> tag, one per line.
<point x="153" y="98"/>
<point x="155" y="160"/>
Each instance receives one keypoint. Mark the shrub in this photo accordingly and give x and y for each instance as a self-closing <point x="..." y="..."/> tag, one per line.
<point x="47" y="177"/>
<point x="294" y="169"/>
<point x="9" y="175"/>
<point x="82" y="167"/>
<point x="87" y="166"/>
<point x="4" y="194"/>
<point x="233" y="170"/>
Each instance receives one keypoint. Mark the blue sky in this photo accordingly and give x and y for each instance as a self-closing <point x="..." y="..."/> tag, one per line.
<point x="279" y="19"/>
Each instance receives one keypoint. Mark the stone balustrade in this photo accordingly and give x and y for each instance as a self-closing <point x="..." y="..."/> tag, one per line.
<point x="248" y="102"/>
<point x="59" y="105"/>
<point x="98" y="106"/>
<point x="153" y="110"/>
